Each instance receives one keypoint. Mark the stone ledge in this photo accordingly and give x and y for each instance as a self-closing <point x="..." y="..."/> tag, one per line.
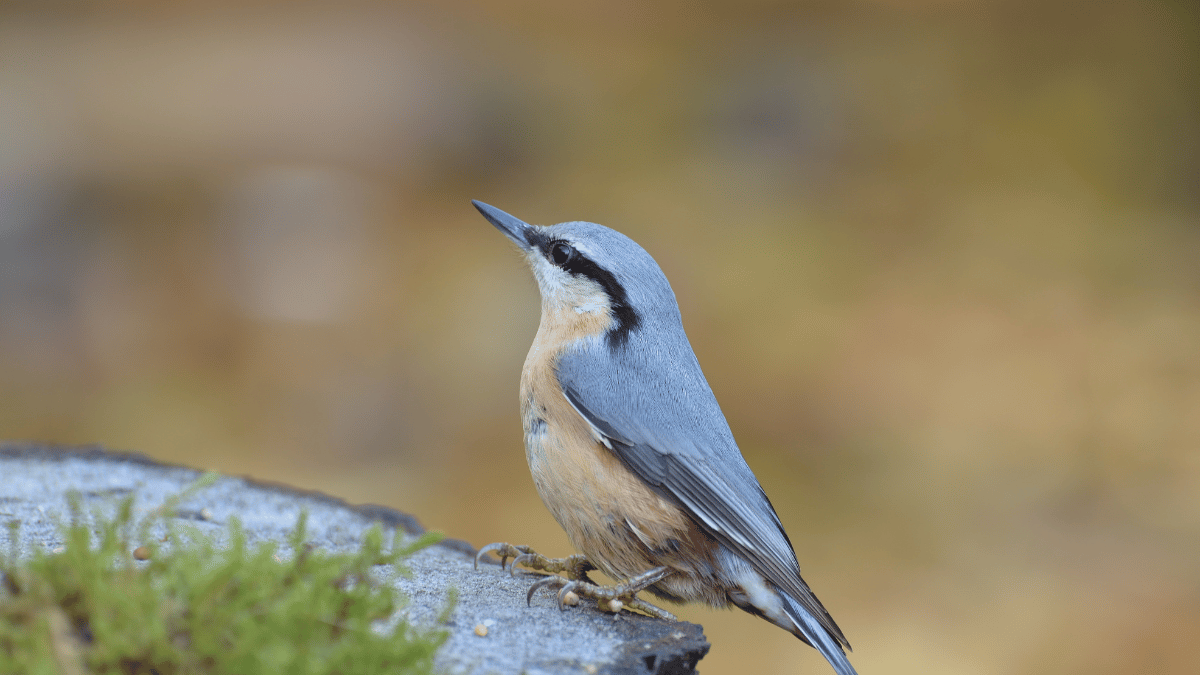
<point x="35" y="479"/>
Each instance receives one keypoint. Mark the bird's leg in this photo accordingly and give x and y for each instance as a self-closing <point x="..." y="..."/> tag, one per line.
<point x="576" y="566"/>
<point x="608" y="598"/>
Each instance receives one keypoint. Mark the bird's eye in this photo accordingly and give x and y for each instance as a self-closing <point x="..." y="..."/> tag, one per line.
<point x="561" y="253"/>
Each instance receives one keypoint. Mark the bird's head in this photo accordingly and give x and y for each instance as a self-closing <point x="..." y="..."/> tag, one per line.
<point x="587" y="272"/>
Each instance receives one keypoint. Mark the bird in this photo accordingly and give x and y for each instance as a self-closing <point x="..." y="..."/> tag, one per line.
<point x="630" y="452"/>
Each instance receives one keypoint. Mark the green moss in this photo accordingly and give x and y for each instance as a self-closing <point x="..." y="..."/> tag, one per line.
<point x="200" y="607"/>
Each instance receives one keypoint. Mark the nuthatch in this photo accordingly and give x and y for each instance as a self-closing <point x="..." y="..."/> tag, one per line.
<point x="630" y="451"/>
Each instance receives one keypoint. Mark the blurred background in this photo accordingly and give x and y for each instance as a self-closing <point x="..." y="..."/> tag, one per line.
<point x="940" y="260"/>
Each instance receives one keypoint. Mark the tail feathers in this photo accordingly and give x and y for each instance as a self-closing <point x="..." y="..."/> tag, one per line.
<point x="816" y="635"/>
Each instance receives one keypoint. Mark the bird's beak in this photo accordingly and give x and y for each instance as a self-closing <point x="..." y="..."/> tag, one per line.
<point x="513" y="228"/>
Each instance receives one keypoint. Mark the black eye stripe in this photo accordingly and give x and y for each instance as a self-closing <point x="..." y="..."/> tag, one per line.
<point x="565" y="256"/>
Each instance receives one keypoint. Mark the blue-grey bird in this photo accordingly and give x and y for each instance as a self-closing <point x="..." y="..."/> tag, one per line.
<point x="630" y="451"/>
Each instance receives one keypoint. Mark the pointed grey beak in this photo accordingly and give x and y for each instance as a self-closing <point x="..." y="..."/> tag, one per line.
<point x="513" y="228"/>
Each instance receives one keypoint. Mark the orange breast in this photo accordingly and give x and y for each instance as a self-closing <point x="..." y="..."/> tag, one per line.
<point x="608" y="512"/>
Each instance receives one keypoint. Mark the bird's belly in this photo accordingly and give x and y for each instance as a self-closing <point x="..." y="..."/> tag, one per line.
<point x="597" y="500"/>
<point x="608" y="512"/>
<point x="615" y="519"/>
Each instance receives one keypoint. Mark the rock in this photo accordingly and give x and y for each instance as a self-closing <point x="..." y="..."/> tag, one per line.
<point x="491" y="628"/>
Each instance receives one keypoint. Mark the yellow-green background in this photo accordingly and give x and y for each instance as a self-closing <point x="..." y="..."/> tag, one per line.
<point x="939" y="259"/>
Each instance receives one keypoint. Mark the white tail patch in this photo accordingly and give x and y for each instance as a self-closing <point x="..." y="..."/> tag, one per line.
<point x="763" y="597"/>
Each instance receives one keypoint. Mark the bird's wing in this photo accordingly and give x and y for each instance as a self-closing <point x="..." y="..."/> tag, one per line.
<point x="664" y="423"/>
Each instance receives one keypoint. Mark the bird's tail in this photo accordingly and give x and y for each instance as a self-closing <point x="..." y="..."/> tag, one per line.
<point x="817" y="636"/>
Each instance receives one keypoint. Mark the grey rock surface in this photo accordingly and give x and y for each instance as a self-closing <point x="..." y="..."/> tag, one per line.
<point x="35" y="481"/>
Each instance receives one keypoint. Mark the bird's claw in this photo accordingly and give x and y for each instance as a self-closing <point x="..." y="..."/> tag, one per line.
<point x="505" y="551"/>
<point x="576" y="584"/>
<point x="522" y="559"/>
<point x="608" y="598"/>
<point x="564" y="587"/>
<point x="575" y="566"/>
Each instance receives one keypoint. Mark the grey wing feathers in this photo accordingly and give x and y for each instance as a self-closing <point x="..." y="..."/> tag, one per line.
<point x="671" y="432"/>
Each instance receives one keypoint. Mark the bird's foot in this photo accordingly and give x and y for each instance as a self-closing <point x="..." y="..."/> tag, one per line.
<point x="576" y="584"/>
<point x="608" y="598"/>
<point x="575" y="566"/>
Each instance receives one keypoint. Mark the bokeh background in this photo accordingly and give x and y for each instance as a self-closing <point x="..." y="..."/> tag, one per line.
<point x="940" y="260"/>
